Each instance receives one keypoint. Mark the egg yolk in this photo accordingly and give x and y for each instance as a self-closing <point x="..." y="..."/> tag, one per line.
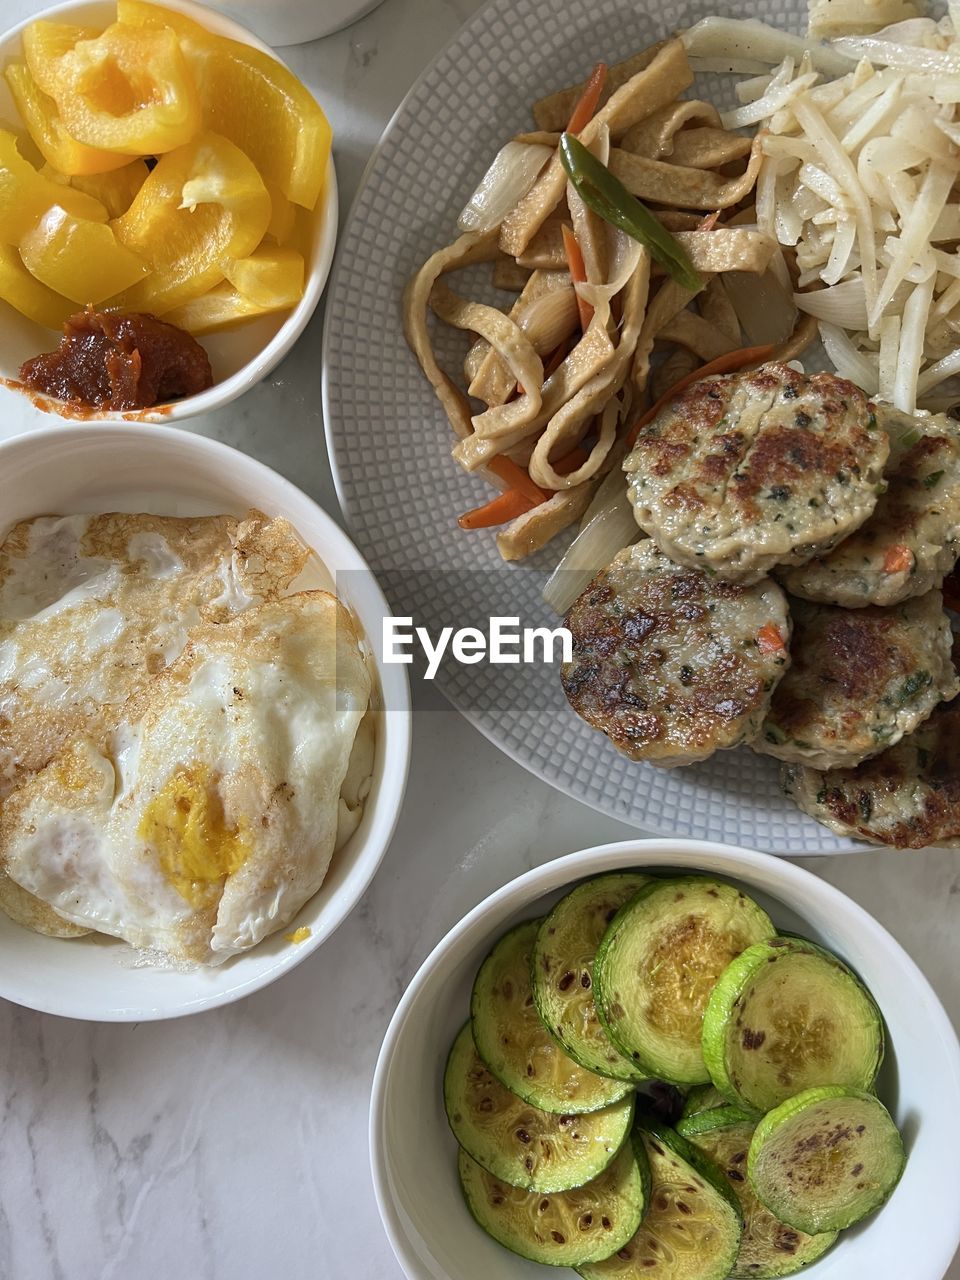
<point x="186" y="825"/>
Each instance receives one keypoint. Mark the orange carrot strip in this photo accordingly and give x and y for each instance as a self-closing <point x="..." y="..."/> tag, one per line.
<point x="769" y="639"/>
<point x="514" y="477"/>
<point x="727" y="363"/>
<point x="570" y="461"/>
<point x="899" y="559"/>
<point x="587" y="102"/>
<point x="578" y="274"/>
<point x="504" y="507"/>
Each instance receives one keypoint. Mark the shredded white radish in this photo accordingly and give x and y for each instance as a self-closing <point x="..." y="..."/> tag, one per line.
<point x="916" y="312"/>
<point x="945" y="368"/>
<point x="861" y="176"/>
<point x="847" y="360"/>
<point x="776" y="97"/>
<point x="888" y="355"/>
<point x="887" y="53"/>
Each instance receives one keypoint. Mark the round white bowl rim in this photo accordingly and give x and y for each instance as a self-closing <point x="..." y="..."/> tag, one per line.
<point x="394" y="686"/>
<point x="576" y="866"/>
<point x="282" y="342"/>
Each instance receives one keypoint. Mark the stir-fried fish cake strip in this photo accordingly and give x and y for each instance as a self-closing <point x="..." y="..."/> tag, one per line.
<point x="744" y="472"/>
<point x="860" y="680"/>
<point x="686" y="188"/>
<point x="912" y="540"/>
<point x="656" y="136"/>
<point x="206" y="818"/>
<point x="553" y="111"/>
<point x="670" y="663"/>
<point x="667" y="75"/>
<point x="908" y="797"/>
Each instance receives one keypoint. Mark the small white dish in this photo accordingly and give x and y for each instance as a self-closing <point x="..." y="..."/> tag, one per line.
<point x="172" y="472"/>
<point x="240" y="357"/>
<point x="413" y="1153"/>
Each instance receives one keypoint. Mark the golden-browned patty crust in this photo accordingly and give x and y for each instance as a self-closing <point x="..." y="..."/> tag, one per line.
<point x="671" y="663"/>
<point x="912" y="540"/>
<point x="908" y="797"/>
<point x="752" y="470"/>
<point x="860" y="680"/>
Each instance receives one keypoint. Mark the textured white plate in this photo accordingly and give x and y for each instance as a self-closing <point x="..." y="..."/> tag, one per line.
<point x="390" y="443"/>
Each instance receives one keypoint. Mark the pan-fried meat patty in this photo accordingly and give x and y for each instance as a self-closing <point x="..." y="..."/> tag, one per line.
<point x="860" y="680"/>
<point x="912" y="540"/>
<point x="908" y="797"/>
<point x="671" y="663"/>
<point x="744" y="472"/>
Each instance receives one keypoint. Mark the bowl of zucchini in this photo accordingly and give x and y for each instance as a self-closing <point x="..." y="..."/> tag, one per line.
<point x="672" y="1060"/>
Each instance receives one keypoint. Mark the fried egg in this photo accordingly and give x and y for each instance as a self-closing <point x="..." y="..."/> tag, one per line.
<point x="207" y="814"/>
<point x="93" y="607"/>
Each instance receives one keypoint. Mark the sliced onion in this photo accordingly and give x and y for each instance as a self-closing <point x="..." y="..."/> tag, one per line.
<point x="506" y="182"/>
<point x="592" y="549"/>
<point x="611" y="489"/>
<point x="747" y="38"/>
<point x="766" y="310"/>
<point x="844" y="304"/>
<point x="847" y="360"/>
<point x="625" y="257"/>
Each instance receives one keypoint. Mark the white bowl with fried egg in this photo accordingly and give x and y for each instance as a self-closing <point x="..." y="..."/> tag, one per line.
<point x="239" y="357"/>
<point x="147" y="469"/>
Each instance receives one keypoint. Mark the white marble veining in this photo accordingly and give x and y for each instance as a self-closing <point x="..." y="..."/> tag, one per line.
<point x="232" y="1146"/>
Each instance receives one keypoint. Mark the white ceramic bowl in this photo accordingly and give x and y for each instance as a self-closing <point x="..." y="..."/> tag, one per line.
<point x="240" y="357"/>
<point x="171" y="472"/>
<point x="297" y="21"/>
<point x="413" y="1151"/>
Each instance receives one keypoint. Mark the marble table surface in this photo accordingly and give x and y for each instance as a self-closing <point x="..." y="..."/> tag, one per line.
<point x="232" y="1146"/>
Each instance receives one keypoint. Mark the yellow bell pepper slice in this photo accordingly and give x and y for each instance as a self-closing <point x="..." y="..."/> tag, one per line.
<point x="128" y="91"/>
<point x="253" y="100"/>
<point x="26" y="194"/>
<point x="40" y="114"/>
<point x="221" y="308"/>
<point x="283" y="215"/>
<point x="79" y="259"/>
<point x="201" y="204"/>
<point x="27" y="295"/>
<point x="45" y="43"/>
<point x="270" y="277"/>
<point x="115" y="190"/>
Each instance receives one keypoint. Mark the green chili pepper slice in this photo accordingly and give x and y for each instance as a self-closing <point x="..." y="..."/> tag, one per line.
<point x="609" y="199"/>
